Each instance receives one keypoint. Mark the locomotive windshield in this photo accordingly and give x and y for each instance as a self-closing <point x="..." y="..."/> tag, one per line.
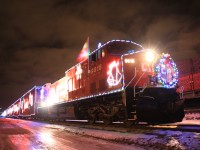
<point x="120" y="48"/>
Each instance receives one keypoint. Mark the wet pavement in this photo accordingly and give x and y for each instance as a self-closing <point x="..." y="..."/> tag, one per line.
<point x="25" y="134"/>
<point x="30" y="135"/>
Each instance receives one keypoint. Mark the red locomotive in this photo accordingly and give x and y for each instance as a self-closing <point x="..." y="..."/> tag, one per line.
<point x="119" y="81"/>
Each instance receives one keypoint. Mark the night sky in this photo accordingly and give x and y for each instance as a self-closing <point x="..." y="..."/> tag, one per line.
<point x="41" y="39"/>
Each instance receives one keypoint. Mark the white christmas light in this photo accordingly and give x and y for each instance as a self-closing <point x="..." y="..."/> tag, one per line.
<point x="114" y="75"/>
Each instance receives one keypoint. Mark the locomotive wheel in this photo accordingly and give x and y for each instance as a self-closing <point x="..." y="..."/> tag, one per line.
<point x="92" y="111"/>
<point x="128" y="123"/>
<point x="107" y="120"/>
<point x="91" y="119"/>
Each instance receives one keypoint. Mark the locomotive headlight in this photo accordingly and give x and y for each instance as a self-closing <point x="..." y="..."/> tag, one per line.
<point x="150" y="56"/>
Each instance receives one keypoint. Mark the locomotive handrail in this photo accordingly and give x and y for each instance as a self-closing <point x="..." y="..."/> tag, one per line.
<point x="150" y="97"/>
<point x="132" y="78"/>
<point x="142" y="90"/>
<point x="137" y="83"/>
<point x="181" y="91"/>
<point x="144" y="87"/>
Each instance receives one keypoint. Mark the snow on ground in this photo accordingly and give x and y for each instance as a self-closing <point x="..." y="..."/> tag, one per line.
<point x="147" y="138"/>
<point x="156" y="138"/>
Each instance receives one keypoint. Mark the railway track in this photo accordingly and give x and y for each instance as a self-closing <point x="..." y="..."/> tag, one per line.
<point x="120" y="127"/>
<point x="190" y="114"/>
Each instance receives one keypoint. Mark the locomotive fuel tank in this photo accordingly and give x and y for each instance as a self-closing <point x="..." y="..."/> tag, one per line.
<point x="159" y="105"/>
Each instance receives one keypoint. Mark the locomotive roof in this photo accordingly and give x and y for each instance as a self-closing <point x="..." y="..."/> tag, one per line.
<point x="118" y="44"/>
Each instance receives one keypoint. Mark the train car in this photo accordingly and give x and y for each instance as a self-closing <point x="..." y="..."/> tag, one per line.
<point x="189" y="86"/>
<point x="26" y="106"/>
<point x="53" y="103"/>
<point x="16" y="109"/>
<point x="9" y="111"/>
<point x="119" y="81"/>
<point x="189" y="83"/>
<point x="29" y="102"/>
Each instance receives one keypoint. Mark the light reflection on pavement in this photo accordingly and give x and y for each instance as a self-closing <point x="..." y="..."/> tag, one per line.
<point x="30" y="135"/>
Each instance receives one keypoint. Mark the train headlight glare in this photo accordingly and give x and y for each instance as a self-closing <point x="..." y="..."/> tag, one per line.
<point x="150" y="56"/>
<point x="44" y="104"/>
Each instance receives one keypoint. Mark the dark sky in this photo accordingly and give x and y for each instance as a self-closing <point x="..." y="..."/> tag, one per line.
<point x="40" y="39"/>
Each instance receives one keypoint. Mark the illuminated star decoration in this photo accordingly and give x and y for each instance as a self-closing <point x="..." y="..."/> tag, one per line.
<point x="114" y="75"/>
<point x="84" y="52"/>
<point x="166" y="71"/>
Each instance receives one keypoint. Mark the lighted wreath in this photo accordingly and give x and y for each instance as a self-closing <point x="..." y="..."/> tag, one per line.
<point x="166" y="71"/>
